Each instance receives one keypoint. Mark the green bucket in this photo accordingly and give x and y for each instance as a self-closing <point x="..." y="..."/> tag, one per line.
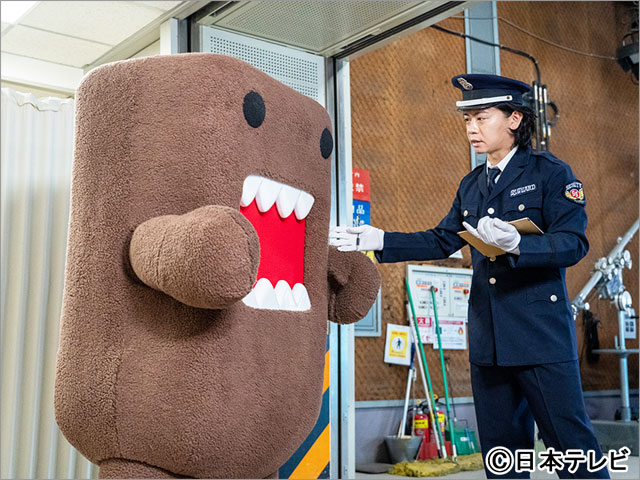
<point x="466" y="441"/>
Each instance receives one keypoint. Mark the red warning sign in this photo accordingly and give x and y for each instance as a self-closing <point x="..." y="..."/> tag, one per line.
<point x="361" y="190"/>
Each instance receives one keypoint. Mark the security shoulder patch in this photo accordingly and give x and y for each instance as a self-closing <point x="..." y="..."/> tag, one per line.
<point x="575" y="192"/>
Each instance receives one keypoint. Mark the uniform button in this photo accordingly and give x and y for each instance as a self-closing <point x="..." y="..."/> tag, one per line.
<point x="492" y="259"/>
<point x="490" y="211"/>
<point x="553" y="298"/>
<point x="465" y="213"/>
<point x="492" y="281"/>
<point x="521" y="207"/>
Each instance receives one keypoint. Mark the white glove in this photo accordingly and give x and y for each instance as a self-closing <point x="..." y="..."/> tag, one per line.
<point x="349" y="239"/>
<point x="496" y="232"/>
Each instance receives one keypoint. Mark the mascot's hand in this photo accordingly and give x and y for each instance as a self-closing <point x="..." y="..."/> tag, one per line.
<point x="207" y="258"/>
<point x="354" y="283"/>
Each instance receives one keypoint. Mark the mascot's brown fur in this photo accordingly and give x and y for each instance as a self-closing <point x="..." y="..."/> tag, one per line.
<point x="168" y="365"/>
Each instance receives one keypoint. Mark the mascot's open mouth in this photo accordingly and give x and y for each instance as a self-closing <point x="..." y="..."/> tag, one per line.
<point x="277" y="212"/>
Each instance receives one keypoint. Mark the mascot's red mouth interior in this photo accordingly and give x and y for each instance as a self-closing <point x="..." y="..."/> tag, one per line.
<point x="278" y="213"/>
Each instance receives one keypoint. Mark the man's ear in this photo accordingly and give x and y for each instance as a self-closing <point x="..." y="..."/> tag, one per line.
<point x="515" y="119"/>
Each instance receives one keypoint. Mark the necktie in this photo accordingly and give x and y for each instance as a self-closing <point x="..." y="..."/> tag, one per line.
<point x="493" y="173"/>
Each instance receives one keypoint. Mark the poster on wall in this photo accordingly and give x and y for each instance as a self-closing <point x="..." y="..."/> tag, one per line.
<point x="361" y="195"/>
<point x="397" y="349"/>
<point x="453" y="334"/>
<point x="425" y="326"/>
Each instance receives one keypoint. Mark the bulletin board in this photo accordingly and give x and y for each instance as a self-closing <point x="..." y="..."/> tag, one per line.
<point x="452" y="289"/>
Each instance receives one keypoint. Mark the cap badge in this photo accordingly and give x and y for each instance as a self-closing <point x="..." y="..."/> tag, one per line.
<point x="466" y="85"/>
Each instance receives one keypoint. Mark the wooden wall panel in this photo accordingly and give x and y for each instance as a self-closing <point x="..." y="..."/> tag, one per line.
<point x="597" y="134"/>
<point x="407" y="133"/>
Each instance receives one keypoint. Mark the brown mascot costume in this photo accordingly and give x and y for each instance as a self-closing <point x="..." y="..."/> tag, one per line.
<point x="199" y="279"/>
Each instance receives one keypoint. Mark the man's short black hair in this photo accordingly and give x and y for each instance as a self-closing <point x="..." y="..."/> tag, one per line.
<point x="522" y="134"/>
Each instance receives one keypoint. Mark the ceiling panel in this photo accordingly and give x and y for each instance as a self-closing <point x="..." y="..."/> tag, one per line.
<point x="104" y="22"/>
<point x="164" y="6"/>
<point x="5" y="25"/>
<point x="315" y="26"/>
<point x="34" y="43"/>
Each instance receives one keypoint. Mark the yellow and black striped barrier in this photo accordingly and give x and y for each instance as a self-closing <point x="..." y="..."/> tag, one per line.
<point x="312" y="459"/>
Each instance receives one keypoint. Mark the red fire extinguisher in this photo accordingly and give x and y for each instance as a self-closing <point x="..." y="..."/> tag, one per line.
<point x="421" y="421"/>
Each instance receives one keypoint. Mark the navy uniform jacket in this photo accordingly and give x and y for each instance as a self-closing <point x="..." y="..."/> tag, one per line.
<point x="519" y="310"/>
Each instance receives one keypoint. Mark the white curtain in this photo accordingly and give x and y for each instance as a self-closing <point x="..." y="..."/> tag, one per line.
<point x="37" y="152"/>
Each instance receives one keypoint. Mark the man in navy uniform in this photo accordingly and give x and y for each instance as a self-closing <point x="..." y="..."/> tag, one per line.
<point x="522" y="338"/>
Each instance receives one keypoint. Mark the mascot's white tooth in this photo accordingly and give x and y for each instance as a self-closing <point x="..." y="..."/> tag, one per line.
<point x="284" y="296"/>
<point x="265" y="295"/>
<point x="301" y="297"/>
<point x="267" y="194"/>
<point x="303" y="205"/>
<point x="249" y="189"/>
<point x="286" y="201"/>
<point x="250" y="300"/>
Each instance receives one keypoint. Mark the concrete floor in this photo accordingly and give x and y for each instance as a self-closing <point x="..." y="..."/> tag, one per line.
<point x="632" y="473"/>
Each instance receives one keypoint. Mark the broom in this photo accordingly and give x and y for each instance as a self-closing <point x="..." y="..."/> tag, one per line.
<point x="430" y="398"/>
<point x="444" y="374"/>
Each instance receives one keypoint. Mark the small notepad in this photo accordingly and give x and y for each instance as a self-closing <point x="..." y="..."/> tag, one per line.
<point x="524" y="226"/>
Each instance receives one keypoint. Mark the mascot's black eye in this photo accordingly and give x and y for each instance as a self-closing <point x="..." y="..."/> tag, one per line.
<point x="326" y="143"/>
<point x="253" y="108"/>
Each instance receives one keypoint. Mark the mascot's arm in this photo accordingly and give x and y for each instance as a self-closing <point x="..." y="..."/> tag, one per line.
<point x="354" y="282"/>
<point x="207" y="258"/>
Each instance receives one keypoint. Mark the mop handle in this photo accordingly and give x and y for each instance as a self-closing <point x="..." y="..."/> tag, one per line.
<point x="431" y="415"/>
<point x="406" y="396"/>
<point x="426" y="369"/>
<point x="424" y="381"/>
<point x="402" y="426"/>
<point x="426" y="389"/>
<point x="444" y="373"/>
